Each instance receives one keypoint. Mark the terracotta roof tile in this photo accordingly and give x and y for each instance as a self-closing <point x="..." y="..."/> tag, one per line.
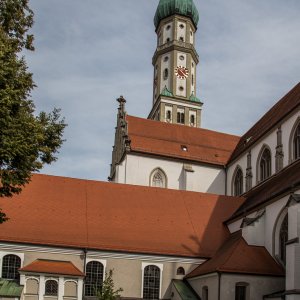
<point x="236" y="256"/>
<point x="78" y="213"/>
<point x="281" y="109"/>
<point x="52" y="267"/>
<point x="159" y="138"/>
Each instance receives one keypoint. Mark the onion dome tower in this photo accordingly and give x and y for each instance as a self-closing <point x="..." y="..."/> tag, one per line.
<point x="175" y="61"/>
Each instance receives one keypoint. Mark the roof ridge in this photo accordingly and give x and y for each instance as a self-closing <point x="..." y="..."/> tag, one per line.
<point x="183" y="126"/>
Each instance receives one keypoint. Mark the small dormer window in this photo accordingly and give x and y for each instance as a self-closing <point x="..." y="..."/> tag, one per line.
<point x="184" y="148"/>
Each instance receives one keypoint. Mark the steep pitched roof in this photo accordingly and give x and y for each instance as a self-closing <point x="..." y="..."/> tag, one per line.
<point x="52" y="267"/>
<point x="164" y="139"/>
<point x="282" y="182"/>
<point x="281" y="109"/>
<point x="61" y="211"/>
<point x="236" y="256"/>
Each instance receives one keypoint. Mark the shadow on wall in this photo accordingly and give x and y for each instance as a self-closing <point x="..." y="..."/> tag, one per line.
<point x="218" y="185"/>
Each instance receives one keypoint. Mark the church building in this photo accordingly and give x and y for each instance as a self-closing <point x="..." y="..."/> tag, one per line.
<point x="188" y="213"/>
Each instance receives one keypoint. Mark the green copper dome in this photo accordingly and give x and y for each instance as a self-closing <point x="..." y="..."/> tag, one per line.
<point x="167" y="8"/>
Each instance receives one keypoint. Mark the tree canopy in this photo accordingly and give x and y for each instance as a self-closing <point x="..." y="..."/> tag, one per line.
<point x="27" y="140"/>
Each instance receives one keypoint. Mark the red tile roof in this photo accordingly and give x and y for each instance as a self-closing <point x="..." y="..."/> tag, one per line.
<point x="52" y="267"/>
<point x="78" y="213"/>
<point x="164" y="139"/>
<point x="236" y="256"/>
<point x="281" y="109"/>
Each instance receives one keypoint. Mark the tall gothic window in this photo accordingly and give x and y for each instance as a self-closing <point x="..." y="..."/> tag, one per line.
<point x="283" y="238"/>
<point x="51" y="288"/>
<point x="265" y="165"/>
<point x="151" y="286"/>
<point x="10" y="266"/>
<point x="93" y="278"/>
<point x="238" y="183"/>
<point x="158" y="179"/>
<point x="296" y="143"/>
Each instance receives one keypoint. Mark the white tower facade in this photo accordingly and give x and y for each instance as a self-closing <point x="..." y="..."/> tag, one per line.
<point x="175" y="63"/>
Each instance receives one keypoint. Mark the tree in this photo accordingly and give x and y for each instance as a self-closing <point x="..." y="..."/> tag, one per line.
<point x="27" y="140"/>
<point x="107" y="291"/>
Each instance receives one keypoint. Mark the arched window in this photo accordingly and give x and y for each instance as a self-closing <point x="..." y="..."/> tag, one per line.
<point x="151" y="286"/>
<point x="296" y="143"/>
<point x="192" y="120"/>
<point x="238" y="183"/>
<point x="205" y="293"/>
<point x="283" y="238"/>
<point x="10" y="266"/>
<point x="169" y="116"/>
<point x="93" y="278"/>
<point x="265" y="165"/>
<point x="51" y="288"/>
<point x="166" y="73"/>
<point x="180" y="271"/>
<point x="158" y="179"/>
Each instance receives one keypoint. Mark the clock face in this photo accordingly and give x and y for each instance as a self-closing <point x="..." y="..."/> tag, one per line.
<point x="181" y="72"/>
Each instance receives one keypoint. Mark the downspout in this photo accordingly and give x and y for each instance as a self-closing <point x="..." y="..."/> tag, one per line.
<point x="84" y="269"/>
<point x="125" y="169"/>
<point x="219" y="286"/>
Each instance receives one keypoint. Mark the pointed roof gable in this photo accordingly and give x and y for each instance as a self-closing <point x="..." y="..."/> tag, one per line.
<point x="66" y="212"/>
<point x="280" y="110"/>
<point x="164" y="139"/>
<point x="236" y="256"/>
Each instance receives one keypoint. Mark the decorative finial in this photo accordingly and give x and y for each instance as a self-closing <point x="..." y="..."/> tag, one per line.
<point x="121" y="100"/>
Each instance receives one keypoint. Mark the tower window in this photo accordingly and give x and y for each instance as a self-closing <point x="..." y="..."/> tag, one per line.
<point x="181" y="26"/>
<point x="181" y="88"/>
<point x="166" y="58"/>
<point x="180" y="117"/>
<point x="168" y="116"/>
<point x="192" y="79"/>
<point x="166" y="74"/>
<point x="191" y="33"/>
<point x="181" y="39"/>
<point x="192" y="120"/>
<point x="168" y="40"/>
<point x="181" y="57"/>
<point x="168" y="27"/>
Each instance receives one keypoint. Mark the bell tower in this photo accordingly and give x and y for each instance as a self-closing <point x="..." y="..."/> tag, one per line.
<point x="175" y="61"/>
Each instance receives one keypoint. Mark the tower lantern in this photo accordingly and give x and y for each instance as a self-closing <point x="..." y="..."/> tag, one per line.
<point x="175" y="61"/>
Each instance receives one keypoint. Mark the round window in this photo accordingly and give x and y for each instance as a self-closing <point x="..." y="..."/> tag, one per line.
<point x="168" y="27"/>
<point x="166" y="58"/>
<point x="181" y="88"/>
<point x="181" y="26"/>
<point x="181" y="57"/>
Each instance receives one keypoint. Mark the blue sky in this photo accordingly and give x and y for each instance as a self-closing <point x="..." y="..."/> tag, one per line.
<point x="90" y="52"/>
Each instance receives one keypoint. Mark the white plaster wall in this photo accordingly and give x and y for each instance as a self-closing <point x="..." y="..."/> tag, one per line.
<point x="192" y="36"/>
<point x="166" y="64"/>
<point x="235" y="226"/>
<point x="203" y="179"/>
<point x="210" y="280"/>
<point x="271" y="140"/>
<point x="167" y="33"/>
<point x="258" y="285"/>
<point x="254" y="234"/>
<point x="181" y="32"/>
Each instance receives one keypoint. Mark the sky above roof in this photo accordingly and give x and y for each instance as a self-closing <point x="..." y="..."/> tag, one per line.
<point x="88" y="53"/>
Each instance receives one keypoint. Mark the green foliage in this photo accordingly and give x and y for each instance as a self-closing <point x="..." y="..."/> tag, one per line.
<point x="27" y="141"/>
<point x="107" y="291"/>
